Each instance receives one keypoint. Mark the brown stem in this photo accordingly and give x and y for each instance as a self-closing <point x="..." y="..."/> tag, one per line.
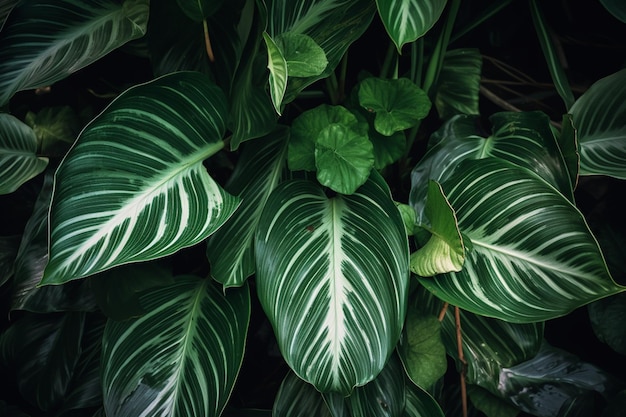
<point x="443" y="311"/>
<point x="459" y="344"/>
<point x="207" y="41"/>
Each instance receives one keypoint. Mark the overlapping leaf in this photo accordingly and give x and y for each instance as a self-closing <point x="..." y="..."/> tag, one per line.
<point x="182" y="357"/>
<point x="134" y="186"/>
<point x="534" y="257"/>
<point x="18" y="154"/>
<point x="599" y="116"/>
<point x="231" y="248"/>
<point x="44" y="41"/>
<point x="458" y="84"/>
<point x="332" y="278"/>
<point x="408" y="20"/>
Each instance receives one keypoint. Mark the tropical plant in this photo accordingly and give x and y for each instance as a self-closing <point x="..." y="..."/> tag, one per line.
<point x="222" y="208"/>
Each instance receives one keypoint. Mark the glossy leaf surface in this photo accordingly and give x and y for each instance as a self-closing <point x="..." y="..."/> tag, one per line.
<point x="45" y="41"/>
<point x="533" y="255"/>
<point x="182" y="357"/>
<point x="134" y="187"/>
<point x="599" y="118"/>
<point x="408" y="20"/>
<point x="305" y="58"/>
<point x="258" y="172"/>
<point x="458" y="84"/>
<point x="18" y="154"/>
<point x="277" y="66"/>
<point x="343" y="264"/>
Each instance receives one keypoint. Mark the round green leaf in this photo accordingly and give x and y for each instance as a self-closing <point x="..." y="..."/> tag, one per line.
<point x="343" y="158"/>
<point x="399" y="104"/>
<point x="332" y="277"/>
<point x="305" y="58"/>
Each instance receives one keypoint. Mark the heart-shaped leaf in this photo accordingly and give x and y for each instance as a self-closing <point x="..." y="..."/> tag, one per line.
<point x="45" y="41"/>
<point x="343" y="264"/>
<point x="18" y="154"/>
<point x="182" y="357"/>
<point x="599" y="118"/>
<point x="399" y="104"/>
<point x="408" y="20"/>
<point x="134" y="187"/>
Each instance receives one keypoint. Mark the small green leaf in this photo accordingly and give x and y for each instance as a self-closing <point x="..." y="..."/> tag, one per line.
<point x="18" y="154"/>
<point x="387" y="149"/>
<point x="444" y="251"/>
<point x="399" y="104"/>
<point x="56" y="128"/>
<point x="489" y="404"/>
<point x="305" y="58"/>
<point x="343" y="158"/>
<point x="408" y="216"/>
<point x="421" y="349"/>
<point x="305" y="130"/>
<point x="278" y="72"/>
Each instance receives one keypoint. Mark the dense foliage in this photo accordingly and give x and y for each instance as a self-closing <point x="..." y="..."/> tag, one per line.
<point x="312" y="208"/>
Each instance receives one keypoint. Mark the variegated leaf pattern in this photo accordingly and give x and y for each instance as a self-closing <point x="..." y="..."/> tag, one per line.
<point x="332" y="277"/>
<point x="599" y="116"/>
<point x="182" y="357"/>
<point x="231" y="248"/>
<point x="43" y="42"/>
<point x="524" y="139"/>
<point x="408" y="20"/>
<point x="18" y="154"/>
<point x="534" y="257"/>
<point x="134" y="187"/>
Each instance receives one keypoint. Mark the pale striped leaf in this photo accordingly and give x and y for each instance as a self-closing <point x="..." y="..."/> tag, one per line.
<point x="332" y="24"/>
<point x="332" y="277"/>
<point x="18" y="154"/>
<point x="43" y="42"/>
<point x="277" y="66"/>
<point x="231" y="248"/>
<point x="524" y="139"/>
<point x="599" y="116"/>
<point x="182" y="357"/>
<point x="134" y="187"/>
<point x="458" y="84"/>
<point x="534" y="257"/>
<point x="408" y="20"/>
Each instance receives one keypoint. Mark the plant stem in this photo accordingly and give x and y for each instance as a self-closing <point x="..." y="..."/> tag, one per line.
<point x="207" y="41"/>
<point x="444" y="310"/>
<point x="459" y="345"/>
<point x="436" y="60"/>
<point x="384" y="70"/>
<point x="343" y="70"/>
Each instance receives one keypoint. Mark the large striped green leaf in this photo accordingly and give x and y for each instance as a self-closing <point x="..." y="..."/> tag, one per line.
<point x="231" y="248"/>
<point x="332" y="277"/>
<point x="524" y="139"/>
<point x="134" y="187"/>
<point x="45" y="41"/>
<point x="408" y="20"/>
<point x="18" y="154"/>
<point x="182" y="357"/>
<point x="599" y="116"/>
<point x="534" y="257"/>
<point x="332" y="24"/>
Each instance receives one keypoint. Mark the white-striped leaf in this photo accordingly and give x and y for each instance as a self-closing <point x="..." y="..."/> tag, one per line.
<point x="277" y="66"/>
<point x="533" y="258"/>
<point x="332" y="24"/>
<point x="332" y="277"/>
<point x="182" y="357"/>
<point x="599" y="116"/>
<point x="408" y="20"/>
<point x="134" y="187"/>
<point x="524" y="139"/>
<point x="18" y="154"/>
<point x="43" y="42"/>
<point x="231" y="248"/>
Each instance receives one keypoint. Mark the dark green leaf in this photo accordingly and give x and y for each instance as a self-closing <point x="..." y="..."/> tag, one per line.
<point x="182" y="357"/>
<point x="8" y="251"/>
<point x="277" y="66"/>
<point x="258" y="172"/>
<point x="489" y="404"/>
<point x="419" y="403"/>
<point x="458" y="84"/>
<point x="568" y="142"/>
<point x="18" y="154"/>
<point x="45" y="41"/>
<point x="199" y="10"/>
<point x="421" y="349"/>
<point x="399" y="104"/>
<point x="387" y="149"/>
<point x="608" y="319"/>
<point x="56" y="128"/>
<point x="343" y="158"/>
<point x="382" y="397"/>
<point x="296" y="397"/>
<point x="616" y="7"/>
